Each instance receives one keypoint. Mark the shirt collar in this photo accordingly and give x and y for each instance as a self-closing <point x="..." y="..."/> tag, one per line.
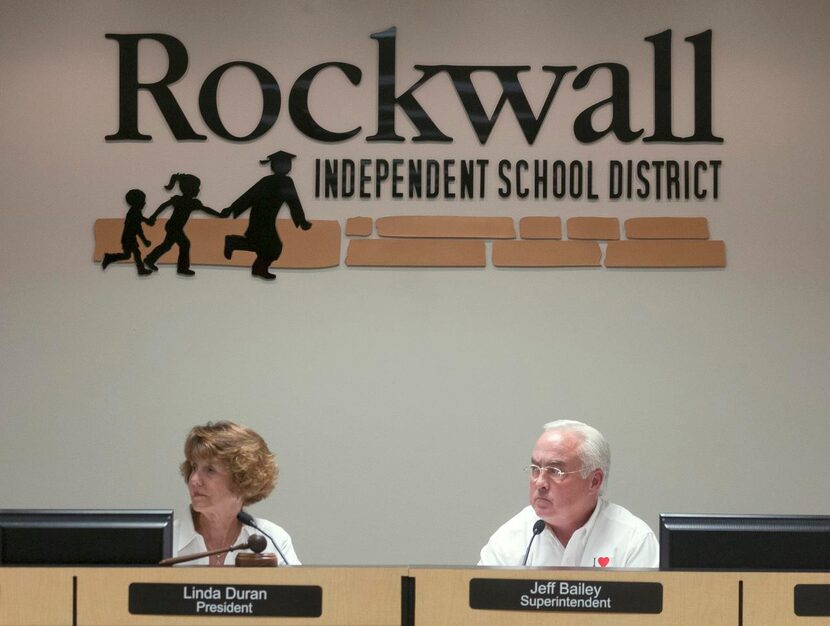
<point x="581" y="533"/>
<point x="586" y="529"/>
<point x="188" y="534"/>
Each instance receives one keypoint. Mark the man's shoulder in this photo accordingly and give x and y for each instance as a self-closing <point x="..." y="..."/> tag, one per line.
<point x="505" y="546"/>
<point x="519" y="523"/>
<point x="616" y="515"/>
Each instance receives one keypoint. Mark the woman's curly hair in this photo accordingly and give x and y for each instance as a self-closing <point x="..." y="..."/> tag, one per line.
<point x="253" y="468"/>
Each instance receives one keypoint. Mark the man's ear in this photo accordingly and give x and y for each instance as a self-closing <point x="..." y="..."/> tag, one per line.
<point x="597" y="478"/>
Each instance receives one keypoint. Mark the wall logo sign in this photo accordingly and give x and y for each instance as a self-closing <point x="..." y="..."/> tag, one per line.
<point x="424" y="241"/>
<point x="390" y="99"/>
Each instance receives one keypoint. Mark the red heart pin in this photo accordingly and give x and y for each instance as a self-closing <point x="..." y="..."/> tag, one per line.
<point x="603" y="561"/>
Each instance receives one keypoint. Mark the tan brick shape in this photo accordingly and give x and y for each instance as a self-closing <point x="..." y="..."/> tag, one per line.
<point x="316" y="248"/>
<point x="665" y="253"/>
<point x="359" y="227"/>
<point x="595" y="228"/>
<point x="533" y="227"/>
<point x="546" y="254"/>
<point x="415" y="253"/>
<point x="446" y="227"/>
<point x="667" y="228"/>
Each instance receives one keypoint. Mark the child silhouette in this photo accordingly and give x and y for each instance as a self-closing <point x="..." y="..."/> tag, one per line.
<point x="183" y="206"/>
<point x="132" y="233"/>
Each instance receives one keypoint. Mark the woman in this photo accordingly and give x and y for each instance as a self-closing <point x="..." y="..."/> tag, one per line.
<point x="226" y="467"/>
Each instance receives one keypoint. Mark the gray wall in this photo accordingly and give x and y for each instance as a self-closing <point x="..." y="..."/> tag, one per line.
<point x="402" y="404"/>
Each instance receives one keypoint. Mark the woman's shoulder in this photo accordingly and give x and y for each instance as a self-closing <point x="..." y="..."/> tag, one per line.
<point x="270" y="527"/>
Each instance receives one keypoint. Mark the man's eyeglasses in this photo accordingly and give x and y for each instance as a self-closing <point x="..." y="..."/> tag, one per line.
<point x="551" y="471"/>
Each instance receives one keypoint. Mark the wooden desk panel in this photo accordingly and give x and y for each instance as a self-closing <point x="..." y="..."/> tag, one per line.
<point x="33" y="596"/>
<point x="689" y="598"/>
<point x="371" y="596"/>
<point x="769" y="597"/>
<point x="356" y="596"/>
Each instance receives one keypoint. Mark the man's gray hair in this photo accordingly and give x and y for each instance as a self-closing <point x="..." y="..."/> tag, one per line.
<point x="594" y="452"/>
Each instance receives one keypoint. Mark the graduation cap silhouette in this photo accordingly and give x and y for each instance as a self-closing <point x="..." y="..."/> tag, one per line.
<point x="277" y="157"/>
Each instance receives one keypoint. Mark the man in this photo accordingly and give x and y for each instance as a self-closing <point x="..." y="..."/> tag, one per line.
<point x="264" y="200"/>
<point x="569" y="468"/>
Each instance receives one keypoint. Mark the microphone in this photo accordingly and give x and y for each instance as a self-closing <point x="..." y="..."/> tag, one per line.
<point x="256" y="543"/>
<point x="538" y="527"/>
<point x="248" y="519"/>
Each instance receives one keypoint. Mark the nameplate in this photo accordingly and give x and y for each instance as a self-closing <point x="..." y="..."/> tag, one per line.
<point x="226" y="600"/>
<point x="577" y="596"/>
<point x="812" y="600"/>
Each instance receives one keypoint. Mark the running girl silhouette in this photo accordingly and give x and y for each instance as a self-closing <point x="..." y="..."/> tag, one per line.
<point x="183" y="206"/>
<point x="131" y="234"/>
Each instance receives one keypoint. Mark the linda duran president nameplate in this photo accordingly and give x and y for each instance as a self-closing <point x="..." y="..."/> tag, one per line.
<point x="226" y="600"/>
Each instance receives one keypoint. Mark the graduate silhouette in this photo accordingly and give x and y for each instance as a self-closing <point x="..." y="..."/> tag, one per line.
<point x="264" y="200"/>
<point x="183" y="206"/>
<point x="131" y="234"/>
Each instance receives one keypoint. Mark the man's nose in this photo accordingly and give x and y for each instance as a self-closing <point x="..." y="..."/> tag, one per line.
<point x="540" y="481"/>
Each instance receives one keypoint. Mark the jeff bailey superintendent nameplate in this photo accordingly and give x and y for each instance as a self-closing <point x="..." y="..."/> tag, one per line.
<point x="236" y="600"/>
<point x="581" y="596"/>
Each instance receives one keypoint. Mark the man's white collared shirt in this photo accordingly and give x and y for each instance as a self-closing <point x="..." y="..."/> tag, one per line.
<point x="612" y="537"/>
